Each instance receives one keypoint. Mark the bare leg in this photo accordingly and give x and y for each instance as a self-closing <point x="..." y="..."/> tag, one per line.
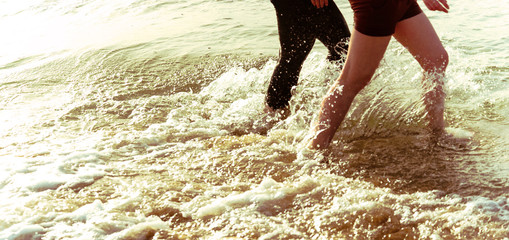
<point x="419" y="37"/>
<point x="364" y="56"/>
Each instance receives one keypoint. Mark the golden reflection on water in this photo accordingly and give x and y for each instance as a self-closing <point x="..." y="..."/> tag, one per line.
<point x="372" y="182"/>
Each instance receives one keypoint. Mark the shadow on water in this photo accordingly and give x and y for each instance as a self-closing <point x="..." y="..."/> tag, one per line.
<point x="409" y="164"/>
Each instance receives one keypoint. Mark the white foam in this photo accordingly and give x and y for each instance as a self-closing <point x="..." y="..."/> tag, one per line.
<point x="105" y="221"/>
<point x="140" y="230"/>
<point x="55" y="172"/>
<point x="83" y="213"/>
<point x="237" y="83"/>
<point x="22" y="231"/>
<point x="498" y="207"/>
<point x="267" y="192"/>
<point x="459" y="134"/>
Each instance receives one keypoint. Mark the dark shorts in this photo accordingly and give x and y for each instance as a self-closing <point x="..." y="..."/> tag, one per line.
<point x="379" y="17"/>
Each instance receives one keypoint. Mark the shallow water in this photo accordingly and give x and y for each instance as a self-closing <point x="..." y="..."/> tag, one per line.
<point x="143" y="120"/>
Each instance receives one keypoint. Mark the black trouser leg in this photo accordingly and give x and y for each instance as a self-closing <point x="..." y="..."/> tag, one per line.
<point x="296" y="43"/>
<point x="299" y="25"/>
<point x="334" y="32"/>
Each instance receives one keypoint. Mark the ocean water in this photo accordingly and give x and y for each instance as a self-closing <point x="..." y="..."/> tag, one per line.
<point x="128" y="119"/>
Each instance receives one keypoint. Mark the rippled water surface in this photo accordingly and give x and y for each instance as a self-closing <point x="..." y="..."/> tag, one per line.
<point x="143" y="120"/>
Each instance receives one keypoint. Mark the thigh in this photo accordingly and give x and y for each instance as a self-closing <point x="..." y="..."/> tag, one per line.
<point x="364" y="56"/>
<point x="419" y="37"/>
<point x="331" y="26"/>
<point x="295" y="34"/>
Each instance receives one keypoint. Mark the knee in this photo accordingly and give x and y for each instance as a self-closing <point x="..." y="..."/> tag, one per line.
<point x="442" y="61"/>
<point x="291" y="61"/>
<point x="354" y="83"/>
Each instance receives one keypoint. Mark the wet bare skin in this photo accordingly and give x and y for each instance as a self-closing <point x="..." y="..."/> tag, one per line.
<point x="364" y="55"/>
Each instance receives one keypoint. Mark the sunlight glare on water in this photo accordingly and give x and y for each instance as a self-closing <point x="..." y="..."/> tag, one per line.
<point x="144" y="120"/>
